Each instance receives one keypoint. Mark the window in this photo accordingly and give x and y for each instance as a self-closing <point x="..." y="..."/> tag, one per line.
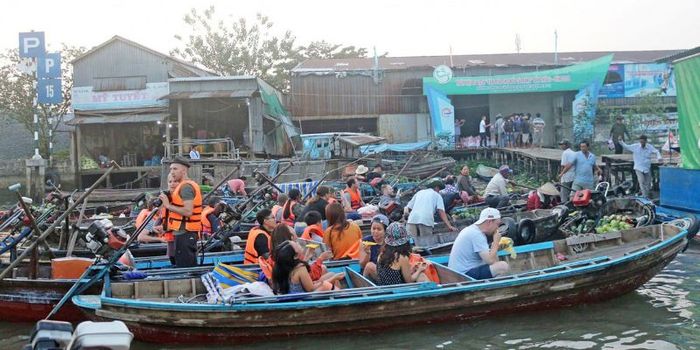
<point x="119" y="83"/>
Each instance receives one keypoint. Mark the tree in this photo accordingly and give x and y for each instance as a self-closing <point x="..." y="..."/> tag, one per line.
<point x="17" y="95"/>
<point x="243" y="48"/>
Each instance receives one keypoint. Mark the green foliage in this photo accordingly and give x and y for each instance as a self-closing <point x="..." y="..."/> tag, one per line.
<point x="241" y="47"/>
<point x="647" y="106"/>
<point x="17" y="95"/>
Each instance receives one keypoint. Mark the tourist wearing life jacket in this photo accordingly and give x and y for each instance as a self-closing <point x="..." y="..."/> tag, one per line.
<point x="259" y="240"/>
<point x="545" y="197"/>
<point x="161" y="227"/>
<point x="147" y="234"/>
<point x="352" y="199"/>
<point x="292" y="209"/>
<point x="314" y="227"/>
<point x="341" y="237"/>
<point x="277" y="208"/>
<point x="185" y="212"/>
<point x="210" y="216"/>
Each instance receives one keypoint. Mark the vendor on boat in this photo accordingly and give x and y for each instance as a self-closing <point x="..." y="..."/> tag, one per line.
<point x="361" y="173"/>
<point x="185" y="211"/>
<point x="237" y="186"/>
<point x="467" y="192"/>
<point x="389" y="203"/>
<point x="545" y="197"/>
<point x="371" y="245"/>
<point x="585" y="164"/>
<point x="471" y="254"/>
<point x="259" y="239"/>
<point x="496" y="192"/>
<point x="352" y="199"/>
<point x="422" y="208"/>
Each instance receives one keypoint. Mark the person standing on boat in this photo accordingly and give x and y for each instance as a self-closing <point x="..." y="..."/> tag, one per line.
<point x="423" y="207"/>
<point x="642" y="153"/>
<point x="585" y="163"/>
<point x="496" y="192"/>
<point x="467" y="192"/>
<point x="470" y="252"/>
<point x="185" y="212"/>
<point x="259" y="239"/>
<point x="567" y="157"/>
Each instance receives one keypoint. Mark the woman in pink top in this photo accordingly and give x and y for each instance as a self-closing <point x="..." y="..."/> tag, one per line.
<point x="237" y="186"/>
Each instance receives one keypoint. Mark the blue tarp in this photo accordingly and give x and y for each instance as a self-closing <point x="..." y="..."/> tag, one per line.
<point x="394" y="147"/>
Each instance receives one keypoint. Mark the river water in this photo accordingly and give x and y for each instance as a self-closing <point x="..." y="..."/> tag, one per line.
<point x="663" y="314"/>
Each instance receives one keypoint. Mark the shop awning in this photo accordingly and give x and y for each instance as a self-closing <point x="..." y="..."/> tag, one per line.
<point x="242" y="93"/>
<point x="119" y="119"/>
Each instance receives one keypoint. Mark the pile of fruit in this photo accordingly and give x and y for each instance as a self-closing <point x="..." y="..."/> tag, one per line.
<point x="615" y="222"/>
<point x="466" y="213"/>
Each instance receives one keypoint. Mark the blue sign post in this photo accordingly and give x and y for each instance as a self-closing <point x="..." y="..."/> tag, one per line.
<point x="32" y="45"/>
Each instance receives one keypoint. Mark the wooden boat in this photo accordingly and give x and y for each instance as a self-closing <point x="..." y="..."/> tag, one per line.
<point x="485" y="173"/>
<point x="543" y="276"/>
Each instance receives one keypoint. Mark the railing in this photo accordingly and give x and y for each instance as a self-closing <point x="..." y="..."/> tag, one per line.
<point x="208" y="148"/>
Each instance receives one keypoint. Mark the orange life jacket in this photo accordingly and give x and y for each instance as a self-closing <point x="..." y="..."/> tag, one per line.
<point x="250" y="256"/>
<point x="167" y="233"/>
<point x="193" y="223"/>
<point x="142" y="217"/>
<point x="354" y="251"/>
<point x="289" y="220"/>
<point x="206" y="224"/>
<point x="355" y="198"/>
<point x="312" y="230"/>
<point x="266" y="265"/>
<point x="430" y="272"/>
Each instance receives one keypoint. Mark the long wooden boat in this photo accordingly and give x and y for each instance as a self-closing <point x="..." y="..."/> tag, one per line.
<point x="543" y="276"/>
<point x="485" y="173"/>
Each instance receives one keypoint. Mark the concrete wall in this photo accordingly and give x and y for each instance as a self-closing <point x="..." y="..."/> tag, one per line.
<point x="543" y="103"/>
<point x="16" y="142"/>
<point x="401" y="128"/>
<point x="15" y="170"/>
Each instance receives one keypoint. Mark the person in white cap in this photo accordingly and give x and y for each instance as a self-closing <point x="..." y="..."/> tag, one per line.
<point x="471" y="254"/>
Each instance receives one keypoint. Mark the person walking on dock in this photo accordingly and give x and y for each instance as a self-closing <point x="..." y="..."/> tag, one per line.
<point x="500" y="132"/>
<point x="585" y="163"/>
<point x="617" y="132"/>
<point x="538" y="125"/>
<point x="642" y="153"/>
<point x="482" y="132"/>
<point x="567" y="157"/>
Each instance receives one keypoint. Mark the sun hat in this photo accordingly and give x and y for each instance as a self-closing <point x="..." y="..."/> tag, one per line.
<point x="488" y="214"/>
<point x="549" y="189"/>
<point x="361" y="169"/>
<point x="396" y="235"/>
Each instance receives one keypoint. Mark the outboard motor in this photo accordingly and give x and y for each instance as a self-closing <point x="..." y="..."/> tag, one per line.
<point x="103" y="238"/>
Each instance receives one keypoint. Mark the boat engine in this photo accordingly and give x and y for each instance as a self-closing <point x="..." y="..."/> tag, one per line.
<point x="102" y="238"/>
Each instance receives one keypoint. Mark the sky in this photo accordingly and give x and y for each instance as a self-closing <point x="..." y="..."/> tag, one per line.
<point x="401" y="28"/>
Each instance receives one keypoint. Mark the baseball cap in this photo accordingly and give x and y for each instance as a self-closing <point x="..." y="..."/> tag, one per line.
<point x="395" y="235"/>
<point x="382" y="219"/>
<point x="488" y="214"/>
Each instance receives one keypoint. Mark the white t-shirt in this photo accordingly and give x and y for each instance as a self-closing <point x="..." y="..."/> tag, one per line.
<point x="464" y="255"/>
<point x="423" y="206"/>
<point x="497" y="186"/>
<point x="482" y="126"/>
<point x="567" y="157"/>
<point x="194" y="154"/>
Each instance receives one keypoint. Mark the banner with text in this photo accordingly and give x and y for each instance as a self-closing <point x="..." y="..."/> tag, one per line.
<point x="84" y="98"/>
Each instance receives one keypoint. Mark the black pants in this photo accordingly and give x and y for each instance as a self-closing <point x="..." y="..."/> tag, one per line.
<point x="497" y="201"/>
<point x="618" y="148"/>
<point x="186" y="249"/>
<point x="483" y="142"/>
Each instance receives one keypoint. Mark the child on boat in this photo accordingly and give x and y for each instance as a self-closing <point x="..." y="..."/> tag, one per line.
<point x="393" y="265"/>
<point x="371" y="245"/>
<point x="291" y="273"/>
<point x="314" y="227"/>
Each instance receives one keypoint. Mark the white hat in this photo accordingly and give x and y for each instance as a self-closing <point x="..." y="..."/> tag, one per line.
<point x="549" y="189"/>
<point x="361" y="170"/>
<point x="488" y="214"/>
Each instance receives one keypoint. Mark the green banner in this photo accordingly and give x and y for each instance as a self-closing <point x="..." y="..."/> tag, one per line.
<point x="570" y="78"/>
<point x="688" y="101"/>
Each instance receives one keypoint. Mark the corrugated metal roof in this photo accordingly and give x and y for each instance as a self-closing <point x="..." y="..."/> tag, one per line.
<point x="359" y="140"/>
<point x="119" y="119"/>
<point x="208" y="94"/>
<point x="485" y="60"/>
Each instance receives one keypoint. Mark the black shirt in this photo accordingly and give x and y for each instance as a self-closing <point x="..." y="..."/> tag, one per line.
<point x="319" y="206"/>
<point x="372" y="175"/>
<point x="261" y="245"/>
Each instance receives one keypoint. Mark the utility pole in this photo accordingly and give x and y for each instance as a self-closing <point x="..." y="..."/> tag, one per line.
<point x="556" y="57"/>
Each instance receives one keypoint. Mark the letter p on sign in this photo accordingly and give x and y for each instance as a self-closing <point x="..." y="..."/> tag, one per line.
<point x="49" y="66"/>
<point x="31" y="44"/>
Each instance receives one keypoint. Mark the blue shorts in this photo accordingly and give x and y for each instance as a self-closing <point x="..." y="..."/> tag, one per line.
<point x="480" y="272"/>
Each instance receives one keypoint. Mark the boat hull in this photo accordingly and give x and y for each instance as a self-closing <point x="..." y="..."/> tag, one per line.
<point x="24" y="300"/>
<point x="174" y="325"/>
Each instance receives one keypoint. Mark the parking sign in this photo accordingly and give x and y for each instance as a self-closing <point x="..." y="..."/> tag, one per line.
<point x="49" y="91"/>
<point x="49" y="66"/>
<point x="31" y="44"/>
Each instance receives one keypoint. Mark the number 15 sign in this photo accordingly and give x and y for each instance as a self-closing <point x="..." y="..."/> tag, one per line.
<point x="49" y="91"/>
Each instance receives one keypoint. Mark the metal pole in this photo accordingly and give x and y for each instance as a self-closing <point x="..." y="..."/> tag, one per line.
<point x="57" y="222"/>
<point x="179" y="127"/>
<point x="35" y="106"/>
